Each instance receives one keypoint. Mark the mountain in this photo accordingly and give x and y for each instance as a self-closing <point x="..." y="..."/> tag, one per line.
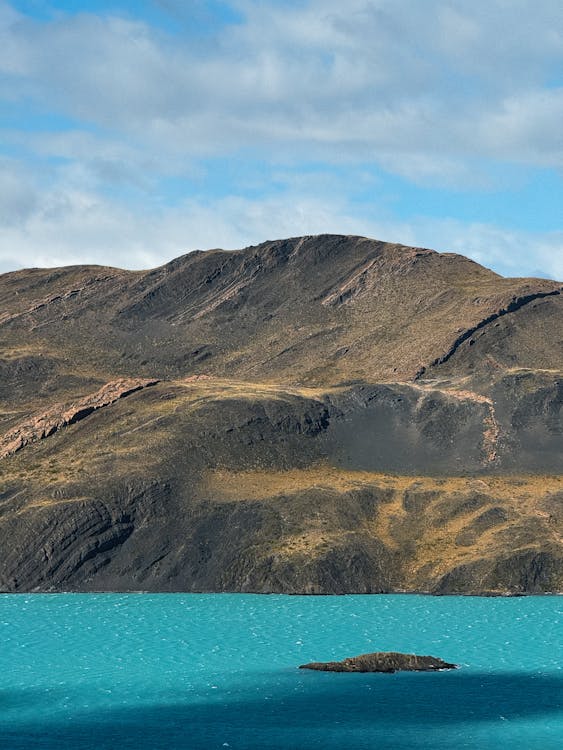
<point x="320" y="414"/>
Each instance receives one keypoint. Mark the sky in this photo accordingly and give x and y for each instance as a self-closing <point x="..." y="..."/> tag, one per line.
<point x="133" y="131"/>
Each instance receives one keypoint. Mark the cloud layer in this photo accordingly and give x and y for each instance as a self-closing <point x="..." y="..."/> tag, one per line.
<point x="110" y="110"/>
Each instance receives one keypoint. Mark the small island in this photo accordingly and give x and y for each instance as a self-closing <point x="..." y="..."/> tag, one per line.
<point x="382" y="661"/>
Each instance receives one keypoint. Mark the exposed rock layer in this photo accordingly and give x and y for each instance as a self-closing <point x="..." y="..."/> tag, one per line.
<point x="39" y="426"/>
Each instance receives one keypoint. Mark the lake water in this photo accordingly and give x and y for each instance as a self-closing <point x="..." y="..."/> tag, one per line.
<point x="193" y="671"/>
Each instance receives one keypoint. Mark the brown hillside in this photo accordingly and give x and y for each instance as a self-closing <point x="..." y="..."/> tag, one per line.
<point x="332" y="414"/>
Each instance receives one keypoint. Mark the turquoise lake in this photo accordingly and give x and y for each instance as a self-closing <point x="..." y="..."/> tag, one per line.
<point x="194" y="671"/>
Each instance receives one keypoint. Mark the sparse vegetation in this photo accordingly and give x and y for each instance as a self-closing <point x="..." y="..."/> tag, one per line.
<point x="333" y="414"/>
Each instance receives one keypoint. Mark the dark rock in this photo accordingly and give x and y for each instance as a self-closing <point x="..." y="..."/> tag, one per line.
<point x="382" y="661"/>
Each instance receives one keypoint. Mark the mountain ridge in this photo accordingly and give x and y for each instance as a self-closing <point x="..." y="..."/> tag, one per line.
<point x="405" y="375"/>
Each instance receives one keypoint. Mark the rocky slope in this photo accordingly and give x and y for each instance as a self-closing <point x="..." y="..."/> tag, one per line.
<point x="325" y="414"/>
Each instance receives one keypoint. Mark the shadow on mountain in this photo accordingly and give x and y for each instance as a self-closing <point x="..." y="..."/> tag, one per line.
<point x="317" y="710"/>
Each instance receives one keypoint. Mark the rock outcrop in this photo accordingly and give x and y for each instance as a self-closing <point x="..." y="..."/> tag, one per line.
<point x="382" y="661"/>
<point x="39" y="426"/>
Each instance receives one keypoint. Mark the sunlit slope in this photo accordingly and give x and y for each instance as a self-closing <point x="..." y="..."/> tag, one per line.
<point x="314" y="310"/>
<point x="209" y="485"/>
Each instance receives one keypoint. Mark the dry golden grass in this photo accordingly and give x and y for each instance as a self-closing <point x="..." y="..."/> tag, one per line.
<point x="261" y="485"/>
<point x="426" y="535"/>
<point x="49" y="502"/>
<point x="213" y="388"/>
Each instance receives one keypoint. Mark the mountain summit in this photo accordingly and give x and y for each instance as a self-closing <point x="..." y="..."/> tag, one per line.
<point x="317" y="414"/>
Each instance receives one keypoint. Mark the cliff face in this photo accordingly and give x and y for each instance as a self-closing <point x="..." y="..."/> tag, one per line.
<point x="325" y="414"/>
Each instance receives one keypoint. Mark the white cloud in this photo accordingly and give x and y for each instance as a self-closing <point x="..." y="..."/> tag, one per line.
<point x="362" y="80"/>
<point x="509" y="252"/>
<point x="527" y="121"/>
<point x="18" y="196"/>
<point x="435" y="92"/>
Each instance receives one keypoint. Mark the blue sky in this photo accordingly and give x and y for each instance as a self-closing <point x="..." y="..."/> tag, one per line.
<point x="131" y="132"/>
